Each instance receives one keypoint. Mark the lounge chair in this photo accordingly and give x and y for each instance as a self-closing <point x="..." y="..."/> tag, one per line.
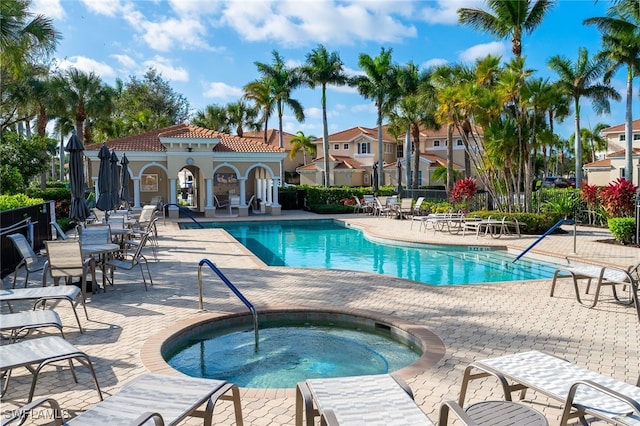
<point x="405" y="208"/>
<point x="417" y="207"/>
<point x="128" y="261"/>
<point x="358" y="207"/>
<point x="605" y="276"/>
<point x="35" y="354"/>
<point x="30" y="261"/>
<point x="582" y="391"/>
<point x="41" y="295"/>
<point x="23" y="322"/>
<point x="165" y="399"/>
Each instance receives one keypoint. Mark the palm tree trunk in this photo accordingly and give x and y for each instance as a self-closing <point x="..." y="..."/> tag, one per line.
<point x="449" y="157"/>
<point x="578" y="145"/>
<point x="628" y="128"/>
<point x="325" y="142"/>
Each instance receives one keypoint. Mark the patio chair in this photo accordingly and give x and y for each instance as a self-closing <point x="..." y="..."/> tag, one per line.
<point x="405" y="208"/>
<point x="64" y="260"/>
<point x="128" y="261"/>
<point x="217" y="204"/>
<point x="60" y="234"/>
<point x="166" y="399"/>
<point x="152" y="237"/>
<point x="30" y="261"/>
<point x="581" y="391"/>
<point x="147" y="214"/>
<point x="35" y="354"/>
<point x="611" y="276"/>
<point x="417" y="208"/>
<point x="234" y="203"/>
<point x="42" y="295"/>
<point x="359" y="207"/>
<point x="24" y="322"/>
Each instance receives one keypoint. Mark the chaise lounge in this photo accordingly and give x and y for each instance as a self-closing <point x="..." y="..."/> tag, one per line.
<point x="581" y="391"/>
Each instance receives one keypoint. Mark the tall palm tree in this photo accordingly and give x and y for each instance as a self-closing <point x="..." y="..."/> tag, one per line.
<point x="582" y="79"/>
<point x="259" y="91"/>
<point x="304" y="143"/>
<point x="621" y="45"/>
<point x="213" y="117"/>
<point x="83" y="95"/>
<point x="321" y="69"/>
<point x="507" y="18"/>
<point x="24" y="39"/>
<point x="282" y="81"/>
<point x="381" y="85"/>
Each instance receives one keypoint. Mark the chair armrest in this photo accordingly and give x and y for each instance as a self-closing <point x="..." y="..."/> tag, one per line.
<point x="21" y="415"/>
<point x="453" y="406"/>
<point x="144" y="417"/>
<point x="633" y="404"/>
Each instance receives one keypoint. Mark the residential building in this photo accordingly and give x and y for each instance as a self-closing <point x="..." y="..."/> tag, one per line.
<point x="610" y="166"/>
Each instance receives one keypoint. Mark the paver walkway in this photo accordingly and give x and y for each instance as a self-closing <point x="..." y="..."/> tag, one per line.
<point x="474" y="321"/>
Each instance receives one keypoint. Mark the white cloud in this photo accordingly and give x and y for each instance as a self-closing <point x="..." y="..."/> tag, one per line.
<point x="85" y="64"/>
<point x="433" y="63"/>
<point x="166" y="68"/>
<point x="220" y="90"/>
<point x="368" y="107"/>
<point x="50" y="8"/>
<point x="446" y="11"/>
<point x="342" y="89"/>
<point x="103" y="7"/>
<point x="479" y="51"/>
<point x="327" y="21"/>
<point x="195" y="7"/>
<point x="126" y="61"/>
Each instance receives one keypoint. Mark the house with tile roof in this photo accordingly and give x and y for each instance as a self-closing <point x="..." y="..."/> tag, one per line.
<point x="610" y="165"/>
<point x="354" y="151"/>
<point x="223" y="168"/>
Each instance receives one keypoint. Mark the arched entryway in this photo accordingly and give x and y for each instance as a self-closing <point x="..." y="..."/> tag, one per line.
<point x="188" y="187"/>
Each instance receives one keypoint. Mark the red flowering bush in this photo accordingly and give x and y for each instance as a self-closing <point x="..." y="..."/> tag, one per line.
<point x="590" y="195"/>
<point x="463" y="191"/>
<point x="619" y="198"/>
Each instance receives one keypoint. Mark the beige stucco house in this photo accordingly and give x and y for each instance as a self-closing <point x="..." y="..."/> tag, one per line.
<point x="212" y="167"/>
<point x="353" y="152"/>
<point x="610" y="166"/>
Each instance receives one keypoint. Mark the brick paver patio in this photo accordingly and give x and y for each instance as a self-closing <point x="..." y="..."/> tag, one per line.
<point x="474" y="321"/>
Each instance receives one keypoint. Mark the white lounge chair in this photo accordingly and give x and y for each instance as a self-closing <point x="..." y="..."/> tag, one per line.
<point x="581" y="391"/>
<point x="164" y="398"/>
<point x="41" y="295"/>
<point x="25" y="321"/>
<point x="35" y="354"/>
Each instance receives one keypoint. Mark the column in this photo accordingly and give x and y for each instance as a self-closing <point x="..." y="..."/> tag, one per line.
<point x="269" y="187"/>
<point x="276" y="185"/>
<point x="95" y="187"/>
<point x="136" y="193"/>
<point x="209" y="208"/>
<point x="174" y="212"/>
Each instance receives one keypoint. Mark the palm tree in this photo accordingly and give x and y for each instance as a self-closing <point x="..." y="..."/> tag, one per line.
<point x="259" y="92"/>
<point x="621" y="45"/>
<point x="282" y="80"/>
<point x="241" y="115"/>
<point x="323" y="68"/>
<point x="213" y="117"/>
<point x="304" y="143"/>
<point x="24" y="38"/>
<point x="507" y="18"/>
<point x="582" y="79"/>
<point x="83" y="95"/>
<point x="381" y="85"/>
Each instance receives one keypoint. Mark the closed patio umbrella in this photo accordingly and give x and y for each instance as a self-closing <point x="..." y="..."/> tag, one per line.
<point x="375" y="179"/>
<point x="399" y="187"/>
<point x="104" y="174"/>
<point x="114" y="181"/>
<point x="124" y="181"/>
<point x="79" y="210"/>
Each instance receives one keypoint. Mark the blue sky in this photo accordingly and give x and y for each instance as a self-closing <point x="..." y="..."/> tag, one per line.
<point x="206" y="49"/>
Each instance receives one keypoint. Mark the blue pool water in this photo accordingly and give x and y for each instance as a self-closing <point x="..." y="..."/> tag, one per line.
<point x="329" y="245"/>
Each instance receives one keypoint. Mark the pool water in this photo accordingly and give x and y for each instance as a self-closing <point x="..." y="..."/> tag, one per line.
<point x="328" y="244"/>
<point x="290" y="354"/>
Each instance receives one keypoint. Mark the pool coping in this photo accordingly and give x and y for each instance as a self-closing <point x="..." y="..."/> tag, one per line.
<point x="433" y="348"/>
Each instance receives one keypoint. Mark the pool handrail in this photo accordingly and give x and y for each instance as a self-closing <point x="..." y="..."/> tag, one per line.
<point x="233" y="288"/>
<point x="553" y="228"/>
<point x="185" y="211"/>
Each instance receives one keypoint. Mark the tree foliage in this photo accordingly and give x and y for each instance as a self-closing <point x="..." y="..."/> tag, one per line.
<point x="21" y="160"/>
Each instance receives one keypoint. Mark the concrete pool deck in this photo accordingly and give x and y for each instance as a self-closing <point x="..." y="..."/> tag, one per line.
<point x="473" y="321"/>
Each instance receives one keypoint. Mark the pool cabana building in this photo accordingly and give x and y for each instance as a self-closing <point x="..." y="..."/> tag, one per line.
<point x="210" y="168"/>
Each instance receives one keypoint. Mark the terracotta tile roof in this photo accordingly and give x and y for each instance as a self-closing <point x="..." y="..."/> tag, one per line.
<point x="150" y="141"/>
<point x="606" y="162"/>
<point x="272" y="137"/>
<point x="619" y="128"/>
<point x="342" y="163"/>
<point x="621" y="153"/>
<point x="439" y="161"/>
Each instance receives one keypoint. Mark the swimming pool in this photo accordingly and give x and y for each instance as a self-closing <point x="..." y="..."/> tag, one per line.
<point x="328" y="244"/>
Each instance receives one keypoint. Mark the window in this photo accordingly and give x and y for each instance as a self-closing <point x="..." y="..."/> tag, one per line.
<point x="622" y="138"/>
<point x="336" y="147"/>
<point x="400" y="150"/>
<point x="388" y="148"/>
<point x="345" y="146"/>
<point x="364" y="148"/>
<point x="622" y="172"/>
<point x="459" y="142"/>
<point x="436" y="143"/>
<point x="636" y="137"/>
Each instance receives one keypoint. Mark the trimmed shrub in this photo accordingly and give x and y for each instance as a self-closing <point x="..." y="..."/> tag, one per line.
<point x="622" y="229"/>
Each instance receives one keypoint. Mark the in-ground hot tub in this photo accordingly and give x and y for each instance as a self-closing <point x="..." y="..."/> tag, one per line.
<point x="222" y="346"/>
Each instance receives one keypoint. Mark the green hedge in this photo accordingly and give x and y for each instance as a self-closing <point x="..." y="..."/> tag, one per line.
<point x="623" y="229"/>
<point x="10" y="202"/>
<point x="56" y="194"/>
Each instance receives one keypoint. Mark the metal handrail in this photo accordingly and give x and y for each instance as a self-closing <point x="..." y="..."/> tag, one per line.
<point x="233" y="288"/>
<point x="185" y="211"/>
<point x="553" y="228"/>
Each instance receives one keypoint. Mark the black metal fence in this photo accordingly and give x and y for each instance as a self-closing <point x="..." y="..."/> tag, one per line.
<point x="33" y="222"/>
